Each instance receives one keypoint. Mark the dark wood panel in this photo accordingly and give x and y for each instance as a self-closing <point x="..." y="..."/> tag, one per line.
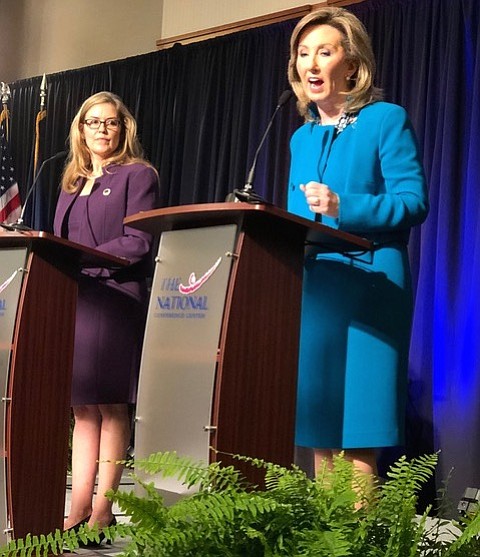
<point x="255" y="392"/>
<point x="38" y="413"/>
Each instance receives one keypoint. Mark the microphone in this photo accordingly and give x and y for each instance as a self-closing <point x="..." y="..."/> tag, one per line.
<point x="247" y="193"/>
<point x="18" y="225"/>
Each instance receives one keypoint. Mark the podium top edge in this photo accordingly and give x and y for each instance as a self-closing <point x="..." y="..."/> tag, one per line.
<point x="161" y="220"/>
<point x="60" y="248"/>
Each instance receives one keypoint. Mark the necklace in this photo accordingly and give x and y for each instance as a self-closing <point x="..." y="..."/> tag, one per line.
<point x="345" y="120"/>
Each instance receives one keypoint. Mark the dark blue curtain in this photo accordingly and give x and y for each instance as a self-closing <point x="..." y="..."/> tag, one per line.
<point x="201" y="111"/>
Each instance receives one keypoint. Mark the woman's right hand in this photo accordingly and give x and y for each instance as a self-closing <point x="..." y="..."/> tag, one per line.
<point x="321" y="199"/>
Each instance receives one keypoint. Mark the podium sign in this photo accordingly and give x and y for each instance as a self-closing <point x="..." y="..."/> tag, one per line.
<point x="11" y="275"/>
<point x="181" y="345"/>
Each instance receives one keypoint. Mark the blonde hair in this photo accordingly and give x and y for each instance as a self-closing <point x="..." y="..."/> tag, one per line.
<point x="79" y="163"/>
<point x="358" y="50"/>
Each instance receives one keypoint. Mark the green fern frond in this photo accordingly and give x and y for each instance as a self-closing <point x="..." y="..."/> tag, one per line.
<point x="469" y="534"/>
<point x="406" y="478"/>
<point x="143" y="511"/>
<point x="411" y="475"/>
<point x="191" y="473"/>
<point x="41" y="546"/>
<point x="219" y="477"/>
<point x="331" y="543"/>
<point x="150" y="491"/>
<point x="170" y="464"/>
<point x="443" y="507"/>
<point x="395" y="507"/>
<point x="57" y="542"/>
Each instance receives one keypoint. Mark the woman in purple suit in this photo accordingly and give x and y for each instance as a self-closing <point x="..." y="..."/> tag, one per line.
<point x="106" y="179"/>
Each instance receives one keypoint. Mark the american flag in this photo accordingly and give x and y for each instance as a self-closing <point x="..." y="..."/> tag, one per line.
<point x="10" y="206"/>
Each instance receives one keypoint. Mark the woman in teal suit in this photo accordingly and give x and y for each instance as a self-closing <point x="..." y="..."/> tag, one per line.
<point x="356" y="167"/>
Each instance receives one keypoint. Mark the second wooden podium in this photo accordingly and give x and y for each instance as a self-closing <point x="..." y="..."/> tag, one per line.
<point x="38" y="292"/>
<point x="219" y="364"/>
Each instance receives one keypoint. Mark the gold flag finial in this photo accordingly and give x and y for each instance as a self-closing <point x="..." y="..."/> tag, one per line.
<point x="42" y="113"/>
<point x="43" y="91"/>
<point x="4" y="114"/>
<point x="5" y="92"/>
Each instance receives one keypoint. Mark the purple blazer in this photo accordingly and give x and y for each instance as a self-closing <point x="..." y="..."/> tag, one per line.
<point x="121" y="191"/>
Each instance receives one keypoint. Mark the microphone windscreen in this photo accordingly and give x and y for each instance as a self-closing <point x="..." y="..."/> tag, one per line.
<point x="59" y="155"/>
<point x="285" y="97"/>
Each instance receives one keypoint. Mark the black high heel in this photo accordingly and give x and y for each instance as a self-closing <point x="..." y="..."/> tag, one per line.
<point x="76" y="527"/>
<point x="101" y="536"/>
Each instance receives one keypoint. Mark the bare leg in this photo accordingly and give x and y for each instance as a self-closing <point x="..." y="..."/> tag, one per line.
<point x="86" y="440"/>
<point x="320" y="457"/>
<point x="114" y="440"/>
<point x="364" y="460"/>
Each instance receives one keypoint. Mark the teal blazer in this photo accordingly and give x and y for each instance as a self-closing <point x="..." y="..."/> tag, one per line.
<point x="373" y="165"/>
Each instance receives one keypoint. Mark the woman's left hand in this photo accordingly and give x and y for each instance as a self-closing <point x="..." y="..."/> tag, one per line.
<point x="321" y="199"/>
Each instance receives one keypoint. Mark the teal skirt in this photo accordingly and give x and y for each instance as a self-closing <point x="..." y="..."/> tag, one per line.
<point x="354" y="341"/>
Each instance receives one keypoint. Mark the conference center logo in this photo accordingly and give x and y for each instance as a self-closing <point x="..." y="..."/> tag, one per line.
<point x="179" y="300"/>
<point x="194" y="284"/>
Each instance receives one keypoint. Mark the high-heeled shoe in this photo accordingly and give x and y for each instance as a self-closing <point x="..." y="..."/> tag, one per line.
<point x="75" y="528"/>
<point x="101" y="536"/>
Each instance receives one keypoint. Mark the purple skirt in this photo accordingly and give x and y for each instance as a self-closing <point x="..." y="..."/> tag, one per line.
<point x="108" y="343"/>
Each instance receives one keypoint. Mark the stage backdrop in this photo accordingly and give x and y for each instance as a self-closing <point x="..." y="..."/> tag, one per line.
<point x="202" y="109"/>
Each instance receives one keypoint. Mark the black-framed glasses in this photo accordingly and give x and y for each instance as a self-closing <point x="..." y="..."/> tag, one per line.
<point x="109" y="123"/>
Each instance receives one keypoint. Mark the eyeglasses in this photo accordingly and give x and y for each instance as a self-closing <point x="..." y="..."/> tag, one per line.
<point x="109" y="123"/>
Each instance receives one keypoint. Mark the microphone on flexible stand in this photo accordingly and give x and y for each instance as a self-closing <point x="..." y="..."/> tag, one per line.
<point x="247" y="193"/>
<point x="18" y="225"/>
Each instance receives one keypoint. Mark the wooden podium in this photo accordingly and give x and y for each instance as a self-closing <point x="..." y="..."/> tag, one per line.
<point x="219" y="364"/>
<point x="38" y="292"/>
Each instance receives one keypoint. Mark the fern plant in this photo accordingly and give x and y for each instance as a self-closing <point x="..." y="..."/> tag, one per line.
<point x="338" y="514"/>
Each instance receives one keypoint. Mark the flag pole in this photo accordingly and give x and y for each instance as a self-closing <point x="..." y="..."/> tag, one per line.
<point x="10" y="206"/>
<point x="42" y="113"/>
